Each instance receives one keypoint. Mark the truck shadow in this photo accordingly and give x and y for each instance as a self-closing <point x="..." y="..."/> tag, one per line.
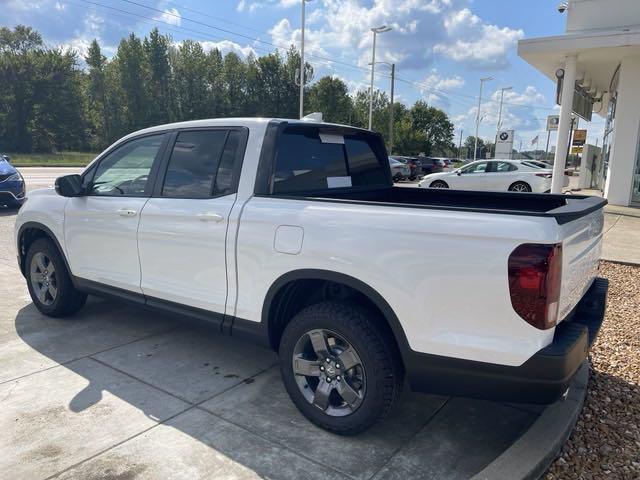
<point x="222" y="392"/>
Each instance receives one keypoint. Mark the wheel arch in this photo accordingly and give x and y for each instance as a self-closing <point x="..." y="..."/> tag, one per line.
<point x="28" y="233"/>
<point x="280" y="289"/>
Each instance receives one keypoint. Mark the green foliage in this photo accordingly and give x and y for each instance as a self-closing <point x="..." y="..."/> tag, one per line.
<point x="330" y="96"/>
<point x="48" y="103"/>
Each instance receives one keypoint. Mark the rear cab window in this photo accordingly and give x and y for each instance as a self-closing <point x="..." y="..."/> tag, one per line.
<point x="311" y="159"/>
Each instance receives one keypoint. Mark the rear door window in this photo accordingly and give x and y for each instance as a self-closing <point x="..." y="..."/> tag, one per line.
<point x="201" y="164"/>
<point x="306" y="163"/>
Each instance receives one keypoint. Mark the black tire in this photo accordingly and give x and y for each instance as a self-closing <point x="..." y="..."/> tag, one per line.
<point x="521" y="187"/>
<point x="68" y="300"/>
<point x="439" y="184"/>
<point x="374" y="347"/>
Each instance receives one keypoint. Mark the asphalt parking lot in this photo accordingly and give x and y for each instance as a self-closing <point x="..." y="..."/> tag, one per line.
<point x="122" y="392"/>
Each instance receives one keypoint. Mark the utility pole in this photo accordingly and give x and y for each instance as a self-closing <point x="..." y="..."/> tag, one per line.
<point x="393" y="80"/>
<point x="460" y="145"/>
<point x="302" y="60"/>
<point x="475" y="149"/>
<point x="375" y="31"/>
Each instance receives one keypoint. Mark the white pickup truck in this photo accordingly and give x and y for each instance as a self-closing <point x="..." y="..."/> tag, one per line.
<point x="291" y="234"/>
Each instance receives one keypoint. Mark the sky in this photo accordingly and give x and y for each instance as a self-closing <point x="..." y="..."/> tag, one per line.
<point x="441" y="48"/>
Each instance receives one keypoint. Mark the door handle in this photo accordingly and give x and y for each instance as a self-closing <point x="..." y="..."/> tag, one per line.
<point x="127" y="212"/>
<point x="210" y="217"/>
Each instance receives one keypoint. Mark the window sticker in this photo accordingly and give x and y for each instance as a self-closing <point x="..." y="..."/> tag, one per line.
<point x="331" y="138"/>
<point x="338" y="182"/>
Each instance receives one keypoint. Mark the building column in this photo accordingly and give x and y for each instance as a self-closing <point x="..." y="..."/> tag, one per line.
<point x="564" y="127"/>
<point x="624" y="148"/>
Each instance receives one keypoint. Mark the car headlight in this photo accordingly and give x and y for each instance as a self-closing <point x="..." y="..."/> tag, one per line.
<point x="16" y="177"/>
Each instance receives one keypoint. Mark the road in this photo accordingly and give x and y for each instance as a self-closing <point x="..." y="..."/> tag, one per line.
<point x="42" y="177"/>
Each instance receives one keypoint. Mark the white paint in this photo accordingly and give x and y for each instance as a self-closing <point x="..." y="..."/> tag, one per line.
<point x="564" y="126"/>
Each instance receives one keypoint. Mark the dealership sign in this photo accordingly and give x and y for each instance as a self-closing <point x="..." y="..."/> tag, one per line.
<point x="504" y="144"/>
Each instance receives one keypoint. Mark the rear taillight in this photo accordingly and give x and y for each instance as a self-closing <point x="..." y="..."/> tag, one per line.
<point x="535" y="273"/>
<point x="543" y="175"/>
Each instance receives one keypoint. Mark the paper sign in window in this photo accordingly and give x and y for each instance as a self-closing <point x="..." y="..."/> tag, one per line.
<point x="338" y="182"/>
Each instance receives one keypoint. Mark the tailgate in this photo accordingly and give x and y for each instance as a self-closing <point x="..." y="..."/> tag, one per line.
<point x="581" y="248"/>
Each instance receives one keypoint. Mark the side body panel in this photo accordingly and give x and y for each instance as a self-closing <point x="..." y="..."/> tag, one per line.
<point x="443" y="273"/>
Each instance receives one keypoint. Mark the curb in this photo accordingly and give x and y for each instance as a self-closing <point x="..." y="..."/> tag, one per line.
<point x="530" y="456"/>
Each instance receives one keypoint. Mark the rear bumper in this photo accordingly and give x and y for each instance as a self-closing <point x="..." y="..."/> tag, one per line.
<point x="544" y="378"/>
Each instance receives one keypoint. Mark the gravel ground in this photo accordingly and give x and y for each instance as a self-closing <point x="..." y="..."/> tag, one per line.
<point x="606" y="440"/>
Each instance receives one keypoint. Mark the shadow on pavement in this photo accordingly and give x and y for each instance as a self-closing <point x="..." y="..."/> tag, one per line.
<point x="220" y="403"/>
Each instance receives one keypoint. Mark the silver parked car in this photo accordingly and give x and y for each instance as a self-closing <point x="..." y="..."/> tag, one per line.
<point x="399" y="171"/>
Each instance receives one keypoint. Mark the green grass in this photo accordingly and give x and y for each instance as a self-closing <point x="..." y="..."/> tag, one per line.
<point x="60" y="159"/>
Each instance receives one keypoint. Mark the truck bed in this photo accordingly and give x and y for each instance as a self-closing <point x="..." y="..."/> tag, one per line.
<point x="564" y="208"/>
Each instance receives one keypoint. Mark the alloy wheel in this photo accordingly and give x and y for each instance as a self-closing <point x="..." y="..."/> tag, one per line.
<point x="43" y="278"/>
<point x="329" y="372"/>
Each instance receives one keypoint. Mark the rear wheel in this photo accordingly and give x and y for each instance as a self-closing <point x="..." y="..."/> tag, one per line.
<point x="339" y="367"/>
<point x="438" y="184"/>
<point x="520" y="187"/>
<point x="49" y="282"/>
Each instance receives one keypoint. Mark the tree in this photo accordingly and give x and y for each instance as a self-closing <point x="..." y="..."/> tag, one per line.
<point x="160" y="93"/>
<point x="330" y="96"/>
<point x="235" y="76"/>
<point x="132" y="79"/>
<point x="434" y="124"/>
<point x="96" y="97"/>
<point x="191" y="86"/>
<point x="469" y="145"/>
<point x="215" y="78"/>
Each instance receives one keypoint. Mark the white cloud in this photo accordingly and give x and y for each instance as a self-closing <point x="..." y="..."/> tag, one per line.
<point x="241" y="6"/>
<point x="171" y="16"/>
<point x="226" y="46"/>
<point x="476" y="43"/>
<point x="60" y="6"/>
<point x="421" y="29"/>
<point x="518" y="112"/>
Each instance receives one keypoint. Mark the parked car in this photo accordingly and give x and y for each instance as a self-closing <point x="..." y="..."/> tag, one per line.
<point x="547" y="166"/>
<point x="304" y="245"/>
<point x="493" y="175"/>
<point x="431" y="165"/>
<point x="399" y="171"/>
<point x="414" y="164"/>
<point x="12" y="187"/>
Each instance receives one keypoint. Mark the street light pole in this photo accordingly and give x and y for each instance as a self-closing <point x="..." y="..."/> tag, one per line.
<point x="393" y="81"/>
<point x="475" y="150"/>
<point x="375" y="31"/>
<point x="460" y="145"/>
<point x="499" y="124"/>
<point x="302" y="60"/>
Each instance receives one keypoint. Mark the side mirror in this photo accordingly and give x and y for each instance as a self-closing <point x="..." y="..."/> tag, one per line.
<point x="458" y="172"/>
<point x="7" y="158"/>
<point x="69" y="186"/>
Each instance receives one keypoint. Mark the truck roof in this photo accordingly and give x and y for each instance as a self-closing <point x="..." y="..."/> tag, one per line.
<point x="234" y="122"/>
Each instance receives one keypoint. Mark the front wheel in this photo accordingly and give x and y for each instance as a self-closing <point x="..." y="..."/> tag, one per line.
<point x="49" y="282"/>
<point x="340" y="367"/>
<point x="521" y="187"/>
<point x="438" y="184"/>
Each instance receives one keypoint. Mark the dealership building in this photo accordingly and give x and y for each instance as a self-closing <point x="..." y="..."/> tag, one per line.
<point x="596" y="65"/>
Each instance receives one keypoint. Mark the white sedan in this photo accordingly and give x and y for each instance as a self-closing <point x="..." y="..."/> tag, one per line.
<point x="495" y="175"/>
